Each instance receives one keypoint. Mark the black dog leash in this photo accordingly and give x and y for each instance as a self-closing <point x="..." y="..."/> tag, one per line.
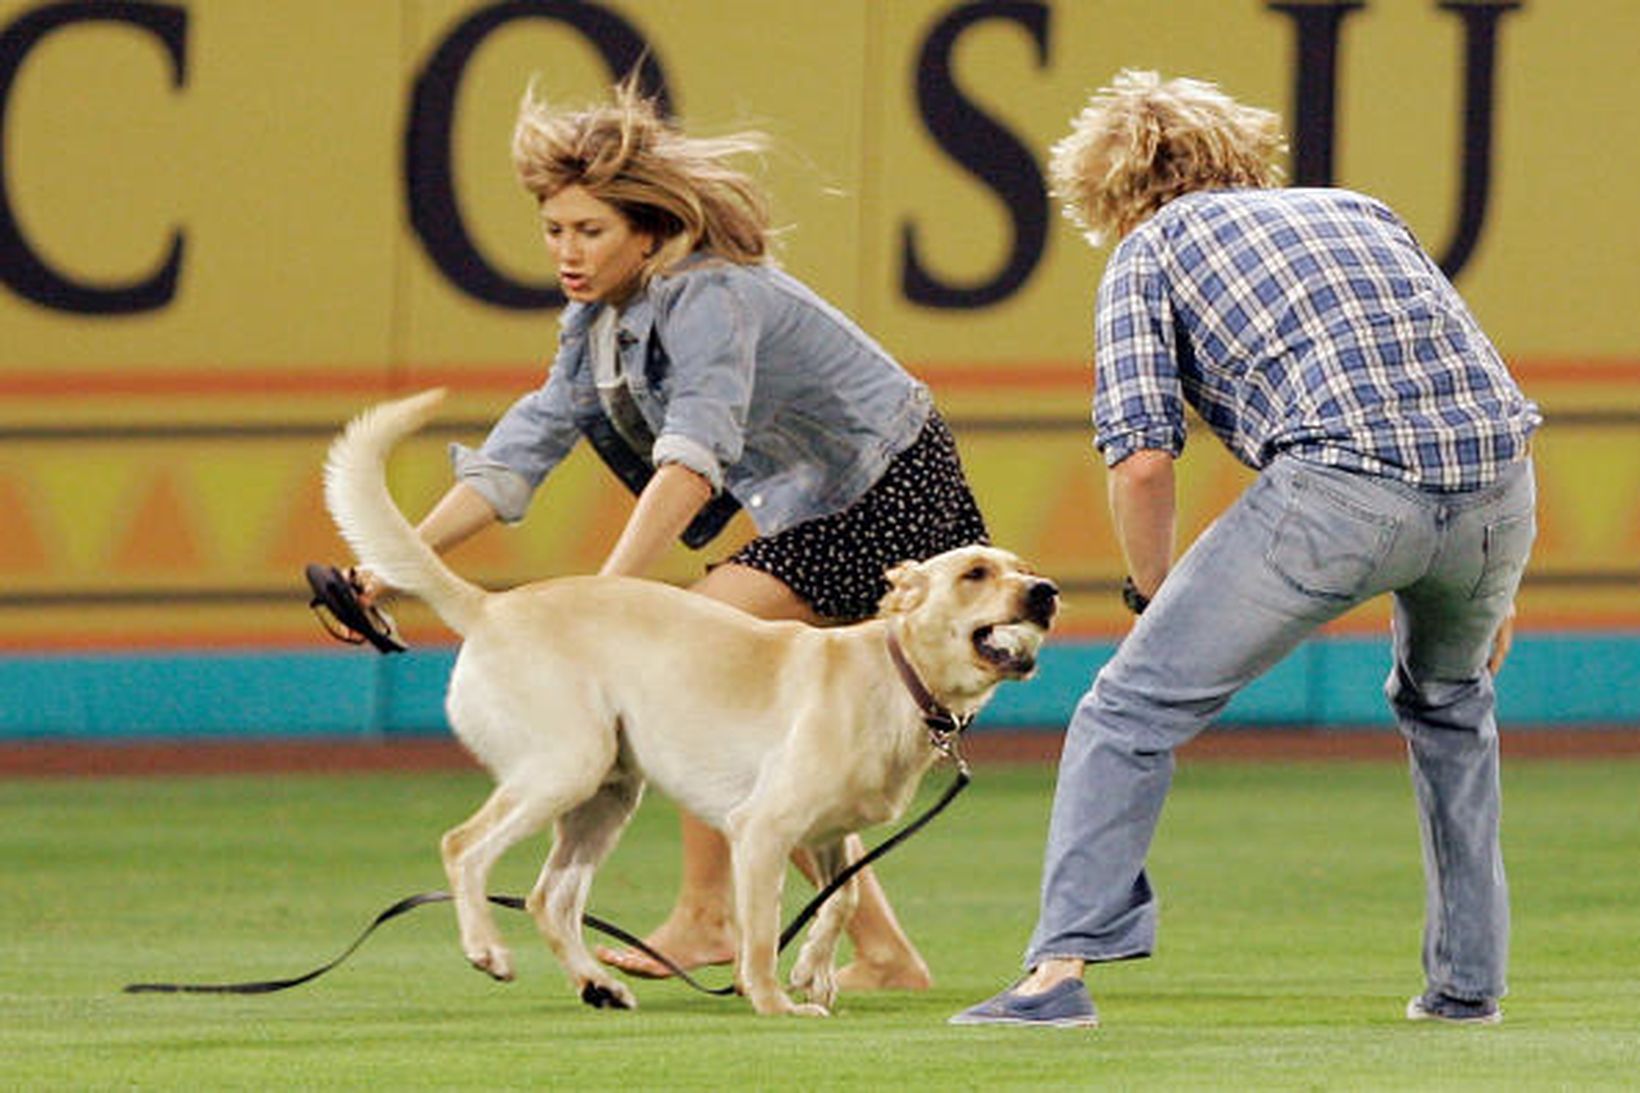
<point x="515" y="903"/>
<point x="269" y="986"/>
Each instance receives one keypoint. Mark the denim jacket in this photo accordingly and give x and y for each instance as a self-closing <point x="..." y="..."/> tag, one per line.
<point x="744" y="375"/>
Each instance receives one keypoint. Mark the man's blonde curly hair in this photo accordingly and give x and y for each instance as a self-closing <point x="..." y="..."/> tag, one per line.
<point x="680" y="189"/>
<point x="1142" y="142"/>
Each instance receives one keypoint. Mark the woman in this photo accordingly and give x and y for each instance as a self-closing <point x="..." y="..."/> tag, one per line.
<point x="709" y="379"/>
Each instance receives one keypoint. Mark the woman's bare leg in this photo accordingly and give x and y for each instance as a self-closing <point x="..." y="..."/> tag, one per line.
<point x="700" y="928"/>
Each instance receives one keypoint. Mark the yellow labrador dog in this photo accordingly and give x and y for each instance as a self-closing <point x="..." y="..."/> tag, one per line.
<point x="576" y="692"/>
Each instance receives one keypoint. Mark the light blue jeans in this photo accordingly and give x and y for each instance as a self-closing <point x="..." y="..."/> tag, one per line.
<point x="1302" y="545"/>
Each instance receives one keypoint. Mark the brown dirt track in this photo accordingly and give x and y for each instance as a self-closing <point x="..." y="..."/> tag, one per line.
<point x="134" y="759"/>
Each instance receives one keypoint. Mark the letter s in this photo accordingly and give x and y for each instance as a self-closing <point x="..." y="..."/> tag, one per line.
<point x="985" y="148"/>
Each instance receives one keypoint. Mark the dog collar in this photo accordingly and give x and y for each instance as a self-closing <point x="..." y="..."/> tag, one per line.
<point x="943" y="726"/>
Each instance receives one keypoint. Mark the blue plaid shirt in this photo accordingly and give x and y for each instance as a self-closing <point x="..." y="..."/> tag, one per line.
<point x="1301" y="321"/>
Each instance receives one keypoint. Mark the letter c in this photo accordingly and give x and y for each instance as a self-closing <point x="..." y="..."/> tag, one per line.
<point x="21" y="268"/>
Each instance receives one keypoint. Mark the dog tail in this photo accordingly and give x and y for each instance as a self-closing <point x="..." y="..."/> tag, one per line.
<point x="356" y="495"/>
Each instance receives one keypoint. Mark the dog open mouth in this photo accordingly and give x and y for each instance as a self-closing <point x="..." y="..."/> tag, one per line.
<point x="1009" y="647"/>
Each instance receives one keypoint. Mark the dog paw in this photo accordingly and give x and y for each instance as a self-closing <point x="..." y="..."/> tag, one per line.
<point x="818" y="983"/>
<point x="780" y="1005"/>
<point x="494" y="961"/>
<point x="824" y="992"/>
<point x="608" y="996"/>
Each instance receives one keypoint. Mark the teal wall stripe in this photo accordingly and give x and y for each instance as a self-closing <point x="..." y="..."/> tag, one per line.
<point x="1551" y="680"/>
<point x="113" y="696"/>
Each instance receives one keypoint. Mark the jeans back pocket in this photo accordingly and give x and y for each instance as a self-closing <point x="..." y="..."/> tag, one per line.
<point x="1327" y="545"/>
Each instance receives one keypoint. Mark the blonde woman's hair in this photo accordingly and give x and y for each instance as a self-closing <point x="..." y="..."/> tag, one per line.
<point x="1142" y="142"/>
<point x="677" y="188"/>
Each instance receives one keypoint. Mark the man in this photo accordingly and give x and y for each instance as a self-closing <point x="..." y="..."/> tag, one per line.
<point x="1320" y="343"/>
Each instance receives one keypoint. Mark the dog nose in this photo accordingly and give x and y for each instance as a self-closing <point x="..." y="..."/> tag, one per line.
<point x="1042" y="601"/>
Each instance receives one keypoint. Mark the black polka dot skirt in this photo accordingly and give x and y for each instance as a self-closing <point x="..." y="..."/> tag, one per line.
<point x="921" y="506"/>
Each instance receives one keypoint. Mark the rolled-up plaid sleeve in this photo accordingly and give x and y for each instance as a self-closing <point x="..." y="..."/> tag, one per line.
<point x="1138" y="402"/>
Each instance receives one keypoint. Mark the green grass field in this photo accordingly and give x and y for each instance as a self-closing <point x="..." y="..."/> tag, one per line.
<point x="1291" y="912"/>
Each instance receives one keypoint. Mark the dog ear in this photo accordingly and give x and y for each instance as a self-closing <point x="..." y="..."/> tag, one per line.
<point x="907" y="588"/>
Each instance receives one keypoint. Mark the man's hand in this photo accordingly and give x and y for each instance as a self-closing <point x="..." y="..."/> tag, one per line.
<point x="1502" y="642"/>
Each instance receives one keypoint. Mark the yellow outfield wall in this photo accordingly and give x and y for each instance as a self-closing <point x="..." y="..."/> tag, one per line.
<point x="228" y="224"/>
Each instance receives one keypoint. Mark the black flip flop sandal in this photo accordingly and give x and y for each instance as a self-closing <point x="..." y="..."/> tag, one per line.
<point x="336" y="602"/>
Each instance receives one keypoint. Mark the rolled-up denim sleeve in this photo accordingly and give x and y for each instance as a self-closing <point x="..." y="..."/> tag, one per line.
<point x="679" y="449"/>
<point x="529" y="440"/>
<point x="1138" y="402"/>
<point x="710" y="329"/>
<point x="507" y="491"/>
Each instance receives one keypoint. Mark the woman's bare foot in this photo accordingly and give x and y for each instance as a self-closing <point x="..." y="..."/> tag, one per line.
<point x="909" y="973"/>
<point x="688" y="941"/>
